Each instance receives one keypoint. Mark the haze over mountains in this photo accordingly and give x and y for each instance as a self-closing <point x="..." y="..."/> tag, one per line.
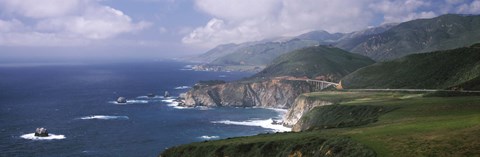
<point x="385" y="42"/>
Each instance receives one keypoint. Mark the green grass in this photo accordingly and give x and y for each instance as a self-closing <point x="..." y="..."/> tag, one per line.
<point x="418" y="126"/>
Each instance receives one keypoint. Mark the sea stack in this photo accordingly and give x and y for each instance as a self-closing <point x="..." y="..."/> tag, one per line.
<point x="41" y="132"/>
<point x="122" y="100"/>
<point x="167" y="94"/>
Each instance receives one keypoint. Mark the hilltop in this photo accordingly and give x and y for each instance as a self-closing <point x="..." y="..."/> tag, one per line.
<point x="454" y="69"/>
<point x="417" y="36"/>
<point x="325" y="62"/>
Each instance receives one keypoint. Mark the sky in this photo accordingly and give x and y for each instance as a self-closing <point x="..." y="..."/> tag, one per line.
<point x="32" y="30"/>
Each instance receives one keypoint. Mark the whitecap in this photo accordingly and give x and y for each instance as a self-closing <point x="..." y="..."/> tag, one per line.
<point x="182" y="87"/>
<point x="130" y="102"/>
<point x="103" y="117"/>
<point x="185" y="69"/>
<point x="222" y="76"/>
<point x="266" y="123"/>
<point x="208" y="137"/>
<point x="147" y="97"/>
<point x="32" y="136"/>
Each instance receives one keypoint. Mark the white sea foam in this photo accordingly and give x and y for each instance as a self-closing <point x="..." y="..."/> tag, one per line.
<point x="186" y="69"/>
<point x="130" y="102"/>
<point x="208" y="137"/>
<point x="174" y="104"/>
<point x="222" y="75"/>
<point x="182" y="87"/>
<point x="266" y="123"/>
<point x="146" y="97"/>
<point x="103" y="117"/>
<point x="32" y="136"/>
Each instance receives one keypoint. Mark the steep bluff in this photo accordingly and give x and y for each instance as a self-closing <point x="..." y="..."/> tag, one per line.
<point x="270" y="93"/>
<point x="300" y="107"/>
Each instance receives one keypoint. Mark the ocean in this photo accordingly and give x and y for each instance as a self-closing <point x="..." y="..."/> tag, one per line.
<point x="76" y="103"/>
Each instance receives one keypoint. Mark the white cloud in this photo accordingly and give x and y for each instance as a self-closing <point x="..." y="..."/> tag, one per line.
<point x="246" y="20"/>
<point x="472" y="8"/>
<point x="240" y="20"/>
<point x="63" y="23"/>
<point x="400" y="11"/>
<point x="41" y="9"/>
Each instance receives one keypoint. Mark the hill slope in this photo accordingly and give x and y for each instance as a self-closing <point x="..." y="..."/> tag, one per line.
<point x="417" y="36"/>
<point x="262" y="53"/>
<point x="435" y="70"/>
<point x="316" y="61"/>
<point x="417" y="126"/>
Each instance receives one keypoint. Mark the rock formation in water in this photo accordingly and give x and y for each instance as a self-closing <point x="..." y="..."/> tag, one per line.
<point x="41" y="132"/>
<point x="122" y="100"/>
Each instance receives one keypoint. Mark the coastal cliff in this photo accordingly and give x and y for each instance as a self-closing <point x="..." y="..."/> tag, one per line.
<point x="301" y="106"/>
<point x="271" y="93"/>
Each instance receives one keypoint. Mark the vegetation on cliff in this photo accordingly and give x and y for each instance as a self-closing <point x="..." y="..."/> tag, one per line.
<point x="418" y="126"/>
<point x="453" y="69"/>
<point x="285" y="144"/>
<point x="317" y="61"/>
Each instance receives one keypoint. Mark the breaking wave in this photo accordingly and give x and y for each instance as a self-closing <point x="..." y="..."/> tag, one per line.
<point x="205" y="137"/>
<point x="182" y="87"/>
<point x="32" y="136"/>
<point x="103" y="117"/>
<point x="130" y="102"/>
<point x="267" y="123"/>
<point x="146" y="97"/>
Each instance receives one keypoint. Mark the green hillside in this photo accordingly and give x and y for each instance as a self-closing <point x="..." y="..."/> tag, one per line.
<point x="390" y="124"/>
<point x="417" y="36"/>
<point x="315" y="61"/>
<point x="436" y="70"/>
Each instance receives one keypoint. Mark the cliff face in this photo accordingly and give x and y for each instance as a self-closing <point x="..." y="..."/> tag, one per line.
<point x="300" y="107"/>
<point x="266" y="93"/>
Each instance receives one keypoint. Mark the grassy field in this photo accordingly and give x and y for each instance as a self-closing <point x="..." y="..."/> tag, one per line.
<point x="417" y="126"/>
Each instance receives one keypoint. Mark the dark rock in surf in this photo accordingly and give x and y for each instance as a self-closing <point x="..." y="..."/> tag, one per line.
<point x="122" y="100"/>
<point x="41" y="132"/>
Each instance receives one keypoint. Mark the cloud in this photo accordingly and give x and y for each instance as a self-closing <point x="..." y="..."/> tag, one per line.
<point x="472" y="8"/>
<point x="400" y="11"/>
<point x="248" y="20"/>
<point x="62" y="23"/>
<point x="240" y="20"/>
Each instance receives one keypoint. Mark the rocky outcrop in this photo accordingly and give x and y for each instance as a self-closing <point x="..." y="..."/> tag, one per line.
<point x="41" y="132"/>
<point x="265" y="93"/>
<point x="301" y="106"/>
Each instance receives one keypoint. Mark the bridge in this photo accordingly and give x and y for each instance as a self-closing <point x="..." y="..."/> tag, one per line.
<point x="317" y="84"/>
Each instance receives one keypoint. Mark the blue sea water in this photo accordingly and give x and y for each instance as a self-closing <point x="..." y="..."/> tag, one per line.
<point x="75" y="101"/>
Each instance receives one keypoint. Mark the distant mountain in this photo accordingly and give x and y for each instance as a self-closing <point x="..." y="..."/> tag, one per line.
<point x="317" y="61"/>
<point x="261" y="53"/>
<point x="350" y="40"/>
<point x="381" y="43"/>
<point x="417" y="36"/>
<point x="321" y="36"/>
<point x="454" y="69"/>
<point x="218" y="51"/>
